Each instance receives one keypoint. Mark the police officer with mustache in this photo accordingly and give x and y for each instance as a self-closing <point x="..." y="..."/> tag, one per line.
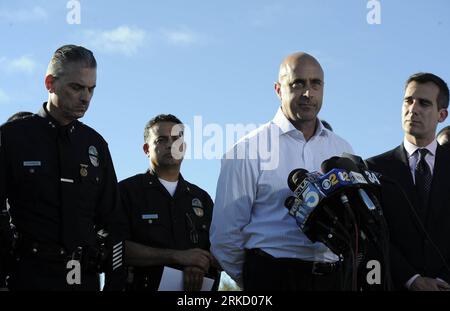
<point x="169" y="218"/>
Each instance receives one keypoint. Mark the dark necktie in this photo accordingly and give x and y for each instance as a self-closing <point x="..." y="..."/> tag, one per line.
<point x="423" y="177"/>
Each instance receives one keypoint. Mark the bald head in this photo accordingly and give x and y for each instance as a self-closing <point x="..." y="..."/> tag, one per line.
<point x="296" y="60"/>
<point x="300" y="89"/>
<point x="443" y="137"/>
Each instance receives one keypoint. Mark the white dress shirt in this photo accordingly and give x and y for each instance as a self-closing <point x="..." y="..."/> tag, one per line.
<point x="249" y="209"/>
<point x="413" y="158"/>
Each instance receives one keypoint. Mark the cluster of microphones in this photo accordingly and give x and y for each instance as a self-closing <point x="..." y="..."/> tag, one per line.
<point x="339" y="206"/>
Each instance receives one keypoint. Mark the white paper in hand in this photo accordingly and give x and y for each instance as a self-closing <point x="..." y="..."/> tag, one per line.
<point x="172" y="280"/>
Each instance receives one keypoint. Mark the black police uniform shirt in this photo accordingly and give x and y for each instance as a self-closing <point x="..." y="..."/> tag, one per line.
<point x="157" y="219"/>
<point x="60" y="182"/>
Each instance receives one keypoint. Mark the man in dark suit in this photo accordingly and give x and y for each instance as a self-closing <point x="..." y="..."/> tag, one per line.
<point x="416" y="192"/>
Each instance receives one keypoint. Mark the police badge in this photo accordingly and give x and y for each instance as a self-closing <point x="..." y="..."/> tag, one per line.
<point x="83" y="170"/>
<point x="197" y="206"/>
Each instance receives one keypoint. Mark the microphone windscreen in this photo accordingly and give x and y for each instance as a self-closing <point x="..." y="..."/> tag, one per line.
<point x="337" y="162"/>
<point x="329" y="164"/>
<point x="348" y="165"/>
<point x="296" y="177"/>
<point x="359" y="162"/>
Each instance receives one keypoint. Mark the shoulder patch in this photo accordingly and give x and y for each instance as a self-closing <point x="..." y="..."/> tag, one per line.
<point x="93" y="156"/>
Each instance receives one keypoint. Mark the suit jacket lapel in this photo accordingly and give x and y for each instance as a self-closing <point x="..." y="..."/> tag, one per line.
<point x="403" y="174"/>
<point x="403" y="171"/>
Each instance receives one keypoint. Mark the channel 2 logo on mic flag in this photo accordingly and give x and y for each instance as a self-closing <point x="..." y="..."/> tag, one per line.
<point x="333" y="180"/>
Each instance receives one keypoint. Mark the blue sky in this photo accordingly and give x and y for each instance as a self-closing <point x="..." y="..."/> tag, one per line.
<point x="219" y="59"/>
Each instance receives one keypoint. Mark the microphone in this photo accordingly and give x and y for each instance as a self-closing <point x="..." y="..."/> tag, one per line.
<point x="371" y="177"/>
<point x="296" y="177"/>
<point x="307" y="195"/>
<point x="328" y="166"/>
<point x="357" y="160"/>
<point x="371" y="213"/>
<point x="357" y="178"/>
<point x="318" y="222"/>
<point x="367" y="201"/>
<point x="334" y="180"/>
<point x="366" y="179"/>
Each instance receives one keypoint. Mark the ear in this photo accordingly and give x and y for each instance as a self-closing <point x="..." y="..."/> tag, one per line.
<point x="145" y="147"/>
<point x="277" y="88"/>
<point x="443" y="114"/>
<point x="49" y="83"/>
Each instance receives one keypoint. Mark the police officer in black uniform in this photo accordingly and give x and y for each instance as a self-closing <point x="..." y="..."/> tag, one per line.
<point x="6" y="230"/>
<point x="59" y="180"/>
<point x="169" y="217"/>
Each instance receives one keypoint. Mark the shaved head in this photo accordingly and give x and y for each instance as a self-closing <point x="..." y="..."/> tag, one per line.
<point x="300" y="90"/>
<point x="292" y="61"/>
<point x="443" y="137"/>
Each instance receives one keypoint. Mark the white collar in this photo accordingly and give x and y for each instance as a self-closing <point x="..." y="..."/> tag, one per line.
<point x="286" y="126"/>
<point x="411" y="148"/>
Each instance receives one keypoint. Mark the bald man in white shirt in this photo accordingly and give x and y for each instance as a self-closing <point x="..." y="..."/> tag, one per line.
<point x="252" y="235"/>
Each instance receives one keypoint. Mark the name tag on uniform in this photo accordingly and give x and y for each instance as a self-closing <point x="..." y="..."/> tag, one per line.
<point x="150" y="217"/>
<point x="67" y="180"/>
<point x="31" y="163"/>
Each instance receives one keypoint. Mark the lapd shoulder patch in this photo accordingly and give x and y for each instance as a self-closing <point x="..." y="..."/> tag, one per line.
<point x="93" y="156"/>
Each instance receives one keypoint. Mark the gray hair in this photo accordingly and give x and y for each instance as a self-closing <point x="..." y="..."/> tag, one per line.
<point x="70" y="54"/>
